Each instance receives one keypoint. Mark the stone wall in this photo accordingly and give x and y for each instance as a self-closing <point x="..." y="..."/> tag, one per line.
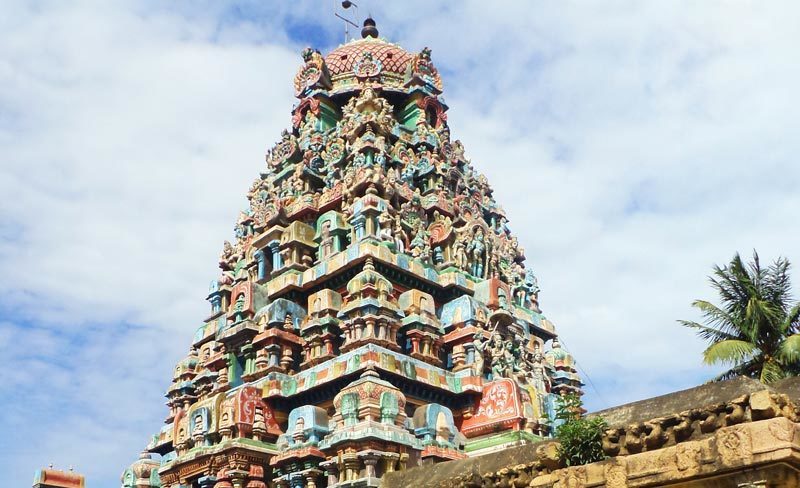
<point x="737" y="433"/>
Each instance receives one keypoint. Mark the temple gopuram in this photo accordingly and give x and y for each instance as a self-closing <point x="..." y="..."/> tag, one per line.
<point x="373" y="313"/>
<point x="56" y="478"/>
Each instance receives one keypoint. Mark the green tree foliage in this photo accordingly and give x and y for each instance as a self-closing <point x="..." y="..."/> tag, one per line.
<point x="580" y="438"/>
<point x="755" y="328"/>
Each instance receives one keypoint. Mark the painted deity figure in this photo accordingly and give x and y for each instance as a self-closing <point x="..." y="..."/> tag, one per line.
<point x="298" y="184"/>
<point x="479" y="345"/>
<point x="313" y="155"/>
<point x="386" y="234"/>
<point x="497" y="353"/>
<point x="286" y="190"/>
<point x="390" y="188"/>
<point x="460" y="254"/>
<point x="238" y="308"/>
<point x="539" y="374"/>
<point x="420" y="248"/>
<point x="399" y="235"/>
<point x="511" y="355"/>
<point x="502" y="301"/>
<point x="228" y="258"/>
<point x="476" y="251"/>
<point x="326" y="241"/>
<point x="331" y="177"/>
<point x="197" y="431"/>
<point x="528" y="288"/>
<point x="539" y="380"/>
<point x="360" y="160"/>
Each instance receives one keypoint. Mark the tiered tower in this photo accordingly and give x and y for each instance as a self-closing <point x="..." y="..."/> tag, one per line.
<point x="56" y="478"/>
<point x="373" y="312"/>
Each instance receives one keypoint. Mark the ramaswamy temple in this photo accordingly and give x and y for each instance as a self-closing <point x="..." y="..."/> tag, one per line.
<point x="374" y="324"/>
<point x="373" y="312"/>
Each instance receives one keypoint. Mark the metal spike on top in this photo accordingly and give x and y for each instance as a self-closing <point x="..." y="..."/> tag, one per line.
<point x="346" y="4"/>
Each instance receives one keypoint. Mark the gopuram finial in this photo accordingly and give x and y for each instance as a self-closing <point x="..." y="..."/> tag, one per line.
<point x="369" y="29"/>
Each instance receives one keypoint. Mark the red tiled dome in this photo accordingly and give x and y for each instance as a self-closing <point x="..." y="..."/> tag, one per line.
<point x="392" y="57"/>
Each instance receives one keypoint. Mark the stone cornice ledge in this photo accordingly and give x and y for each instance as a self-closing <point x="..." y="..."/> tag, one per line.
<point x="751" y="440"/>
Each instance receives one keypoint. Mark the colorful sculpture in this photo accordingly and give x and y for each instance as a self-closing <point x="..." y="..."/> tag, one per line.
<point x="56" y="478"/>
<point x="373" y="312"/>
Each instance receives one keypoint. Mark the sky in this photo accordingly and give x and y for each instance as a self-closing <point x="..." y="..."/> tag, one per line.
<point x="633" y="145"/>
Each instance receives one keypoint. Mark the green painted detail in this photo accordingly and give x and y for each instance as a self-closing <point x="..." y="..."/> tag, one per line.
<point x="253" y="442"/>
<point x="288" y="386"/>
<point x="389" y="407"/>
<point x="353" y="363"/>
<point x="454" y="383"/>
<point x="409" y="115"/>
<point x="410" y="370"/>
<point x="492" y="440"/>
<point x="249" y="359"/>
<point x="235" y="370"/>
<point x="350" y="408"/>
<point x="329" y="115"/>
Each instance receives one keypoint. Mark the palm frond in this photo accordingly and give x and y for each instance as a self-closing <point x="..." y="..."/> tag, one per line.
<point x="748" y="369"/>
<point x="771" y="372"/>
<point x="791" y="324"/>
<point x="708" y="333"/>
<point x="730" y="351"/>
<point x="789" y="350"/>
<point x="755" y="326"/>
<point x="777" y="284"/>
<point x="718" y="318"/>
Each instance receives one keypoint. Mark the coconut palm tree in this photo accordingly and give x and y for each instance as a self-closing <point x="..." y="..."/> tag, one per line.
<point x="756" y="328"/>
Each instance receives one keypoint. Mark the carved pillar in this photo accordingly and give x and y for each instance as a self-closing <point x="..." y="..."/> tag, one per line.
<point x="383" y="330"/>
<point x="389" y="461"/>
<point x="296" y="480"/>
<point x="274" y="353"/>
<point x="414" y="345"/>
<point x="403" y="459"/>
<point x="262" y="360"/>
<point x="427" y="346"/>
<point x="370" y="459"/>
<point x="370" y="329"/>
<point x="222" y="376"/>
<point x="351" y="466"/>
<point x="261" y="259"/>
<point x="311" y="478"/>
<point x="207" y="481"/>
<point x="249" y="355"/>
<point x="216" y="304"/>
<point x="359" y="227"/>
<point x="238" y="477"/>
<point x="286" y="359"/>
<point x="331" y="471"/>
<point x="256" y="477"/>
<point x="277" y="260"/>
<point x="197" y="436"/>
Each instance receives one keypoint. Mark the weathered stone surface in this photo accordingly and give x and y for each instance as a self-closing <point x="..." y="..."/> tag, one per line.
<point x="462" y="471"/>
<point x="789" y="387"/>
<point x="679" y="401"/>
<point x="728" y="434"/>
<point x="759" y="454"/>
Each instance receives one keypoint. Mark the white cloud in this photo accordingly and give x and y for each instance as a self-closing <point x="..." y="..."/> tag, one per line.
<point x="633" y="145"/>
